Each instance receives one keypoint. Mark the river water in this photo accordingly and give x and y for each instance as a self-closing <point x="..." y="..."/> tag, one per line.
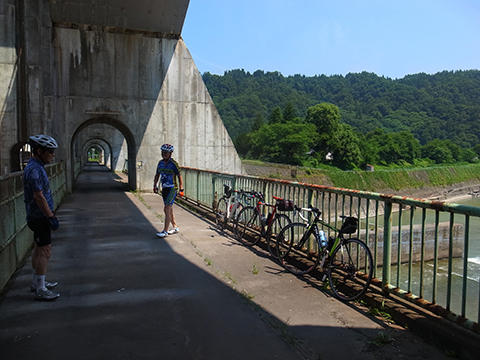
<point x="472" y="280"/>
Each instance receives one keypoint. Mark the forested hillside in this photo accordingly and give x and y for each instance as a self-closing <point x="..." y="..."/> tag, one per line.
<point x="441" y="109"/>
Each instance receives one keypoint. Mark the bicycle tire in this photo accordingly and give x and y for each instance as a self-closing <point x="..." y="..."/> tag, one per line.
<point x="221" y="213"/>
<point x="248" y="226"/>
<point x="350" y="269"/>
<point x="280" y="221"/>
<point x="295" y="260"/>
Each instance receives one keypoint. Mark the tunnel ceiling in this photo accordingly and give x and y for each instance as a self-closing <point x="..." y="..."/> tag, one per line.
<point x="165" y="16"/>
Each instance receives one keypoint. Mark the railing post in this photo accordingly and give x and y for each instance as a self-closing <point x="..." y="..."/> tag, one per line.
<point x="310" y="196"/>
<point x="198" y="188"/>
<point x="387" y="247"/>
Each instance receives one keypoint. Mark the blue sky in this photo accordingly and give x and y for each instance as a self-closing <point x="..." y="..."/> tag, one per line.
<point x="393" y="38"/>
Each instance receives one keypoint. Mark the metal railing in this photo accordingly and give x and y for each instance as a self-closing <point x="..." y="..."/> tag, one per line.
<point x="421" y="248"/>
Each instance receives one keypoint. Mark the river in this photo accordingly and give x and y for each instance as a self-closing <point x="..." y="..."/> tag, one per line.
<point x="472" y="280"/>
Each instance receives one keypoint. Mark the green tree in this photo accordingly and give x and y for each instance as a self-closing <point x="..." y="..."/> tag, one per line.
<point x="289" y="113"/>
<point x="258" y="123"/>
<point x="325" y="116"/>
<point x="468" y="155"/>
<point x="442" y="106"/>
<point x="437" y="151"/>
<point x="243" y="144"/>
<point x="343" y="144"/>
<point x="283" y="143"/>
<point x="369" y="147"/>
<point x="476" y="148"/>
<point x="276" y="116"/>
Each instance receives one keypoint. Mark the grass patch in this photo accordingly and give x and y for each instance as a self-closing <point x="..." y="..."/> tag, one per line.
<point x="383" y="337"/>
<point x="246" y="295"/>
<point x="255" y="269"/>
<point x="230" y="277"/>
<point x="382" y="312"/>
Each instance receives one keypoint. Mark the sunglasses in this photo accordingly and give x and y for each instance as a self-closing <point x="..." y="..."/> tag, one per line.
<point x="51" y="151"/>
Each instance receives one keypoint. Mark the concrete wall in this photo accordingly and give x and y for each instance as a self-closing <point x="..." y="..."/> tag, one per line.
<point x="149" y="84"/>
<point x="8" y="84"/>
<point x="416" y="250"/>
<point x="144" y="85"/>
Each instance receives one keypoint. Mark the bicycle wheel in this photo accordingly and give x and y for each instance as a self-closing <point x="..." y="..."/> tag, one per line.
<point x="297" y="254"/>
<point x="221" y="213"/>
<point x="248" y="226"/>
<point x="281" y="220"/>
<point x="350" y="269"/>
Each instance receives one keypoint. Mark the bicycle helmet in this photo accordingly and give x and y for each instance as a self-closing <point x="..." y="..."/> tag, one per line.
<point x="43" y="141"/>
<point x="167" y="147"/>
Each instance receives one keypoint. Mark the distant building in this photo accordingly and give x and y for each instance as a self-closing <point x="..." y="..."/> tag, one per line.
<point x="369" y="168"/>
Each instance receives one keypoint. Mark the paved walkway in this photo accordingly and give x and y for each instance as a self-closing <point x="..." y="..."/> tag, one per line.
<point x="125" y="294"/>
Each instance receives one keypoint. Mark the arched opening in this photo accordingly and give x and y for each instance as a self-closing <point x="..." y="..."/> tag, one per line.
<point x="109" y="156"/>
<point x="19" y="155"/>
<point x="95" y="153"/>
<point x="129" y="138"/>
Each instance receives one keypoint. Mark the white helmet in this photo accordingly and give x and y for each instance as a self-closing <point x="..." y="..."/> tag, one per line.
<point x="44" y="141"/>
<point x="166" y="147"/>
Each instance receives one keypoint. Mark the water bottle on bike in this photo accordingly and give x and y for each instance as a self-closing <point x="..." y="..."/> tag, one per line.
<point x="263" y="219"/>
<point x="323" y="240"/>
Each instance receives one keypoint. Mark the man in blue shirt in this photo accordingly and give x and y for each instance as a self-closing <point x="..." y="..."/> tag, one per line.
<point x="40" y="217"/>
<point x="168" y="171"/>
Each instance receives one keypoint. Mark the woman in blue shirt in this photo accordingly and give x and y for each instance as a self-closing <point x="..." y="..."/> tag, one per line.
<point x="168" y="171"/>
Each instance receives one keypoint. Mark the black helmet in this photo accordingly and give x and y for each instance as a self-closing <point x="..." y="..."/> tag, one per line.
<point x="43" y="141"/>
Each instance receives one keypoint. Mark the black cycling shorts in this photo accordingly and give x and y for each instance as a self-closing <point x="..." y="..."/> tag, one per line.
<point x="42" y="233"/>
<point x="169" y="194"/>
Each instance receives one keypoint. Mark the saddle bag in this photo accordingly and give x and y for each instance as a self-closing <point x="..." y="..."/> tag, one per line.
<point x="285" y="205"/>
<point x="350" y="225"/>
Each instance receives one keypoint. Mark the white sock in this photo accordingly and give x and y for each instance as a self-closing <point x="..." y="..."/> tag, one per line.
<point x="41" y="282"/>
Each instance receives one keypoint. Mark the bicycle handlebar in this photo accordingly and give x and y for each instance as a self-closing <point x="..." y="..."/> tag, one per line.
<point x="315" y="210"/>
<point x="310" y="209"/>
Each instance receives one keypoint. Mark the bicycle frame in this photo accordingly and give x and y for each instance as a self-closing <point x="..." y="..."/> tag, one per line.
<point x="266" y="226"/>
<point x="312" y="228"/>
<point x="339" y="261"/>
<point x="236" y="201"/>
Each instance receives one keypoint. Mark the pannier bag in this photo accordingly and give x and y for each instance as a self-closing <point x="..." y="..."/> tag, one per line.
<point x="350" y="225"/>
<point x="285" y="205"/>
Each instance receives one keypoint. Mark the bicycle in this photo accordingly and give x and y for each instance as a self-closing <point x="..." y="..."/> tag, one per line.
<point x="347" y="262"/>
<point x="226" y="210"/>
<point x="251" y="225"/>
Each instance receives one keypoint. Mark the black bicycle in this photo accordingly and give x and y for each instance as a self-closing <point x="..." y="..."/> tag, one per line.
<point x="347" y="262"/>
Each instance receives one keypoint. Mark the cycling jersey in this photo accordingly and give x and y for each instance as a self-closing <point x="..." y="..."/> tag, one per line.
<point x="168" y="173"/>
<point x="35" y="179"/>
